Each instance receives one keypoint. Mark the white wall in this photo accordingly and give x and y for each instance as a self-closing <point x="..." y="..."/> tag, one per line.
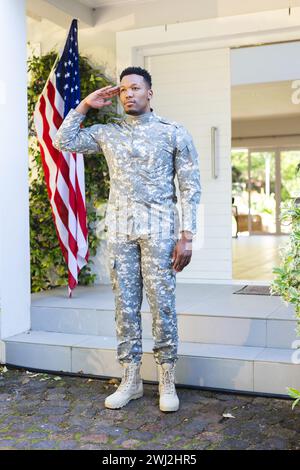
<point x="264" y="132"/>
<point x="269" y="63"/>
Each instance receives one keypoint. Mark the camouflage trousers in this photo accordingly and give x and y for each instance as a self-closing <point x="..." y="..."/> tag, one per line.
<point x="136" y="263"/>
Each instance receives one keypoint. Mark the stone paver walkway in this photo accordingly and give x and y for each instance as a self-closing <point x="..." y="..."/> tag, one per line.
<point x="45" y="411"/>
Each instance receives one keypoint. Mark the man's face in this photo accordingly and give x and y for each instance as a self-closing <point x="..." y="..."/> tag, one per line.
<point x="134" y="94"/>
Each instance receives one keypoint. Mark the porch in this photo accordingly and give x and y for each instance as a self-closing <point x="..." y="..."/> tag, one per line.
<point x="228" y="341"/>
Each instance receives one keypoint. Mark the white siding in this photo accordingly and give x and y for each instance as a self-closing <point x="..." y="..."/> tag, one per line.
<point x="193" y="88"/>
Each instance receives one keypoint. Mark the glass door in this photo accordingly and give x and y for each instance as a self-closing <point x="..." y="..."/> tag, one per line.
<point x="261" y="180"/>
<point x="262" y="192"/>
<point x="290" y="179"/>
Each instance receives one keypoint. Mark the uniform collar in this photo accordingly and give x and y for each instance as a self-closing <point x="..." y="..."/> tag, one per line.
<point x="139" y="118"/>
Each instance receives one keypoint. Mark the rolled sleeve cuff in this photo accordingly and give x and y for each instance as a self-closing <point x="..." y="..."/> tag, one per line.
<point x="189" y="218"/>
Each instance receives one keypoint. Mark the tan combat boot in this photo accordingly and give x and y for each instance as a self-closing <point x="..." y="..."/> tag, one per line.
<point x="131" y="387"/>
<point x="168" y="399"/>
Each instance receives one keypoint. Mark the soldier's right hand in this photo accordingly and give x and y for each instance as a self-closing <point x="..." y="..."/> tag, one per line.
<point x="97" y="99"/>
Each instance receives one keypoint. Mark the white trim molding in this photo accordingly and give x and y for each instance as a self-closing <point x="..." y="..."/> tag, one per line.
<point x="231" y="31"/>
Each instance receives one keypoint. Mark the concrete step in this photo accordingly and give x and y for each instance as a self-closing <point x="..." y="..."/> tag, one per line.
<point x="219" y="366"/>
<point x="243" y="327"/>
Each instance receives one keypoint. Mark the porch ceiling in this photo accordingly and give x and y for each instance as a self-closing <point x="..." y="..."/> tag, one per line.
<point x="100" y="3"/>
<point x="61" y="12"/>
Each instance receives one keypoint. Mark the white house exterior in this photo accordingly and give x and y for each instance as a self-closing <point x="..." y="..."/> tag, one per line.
<point x="195" y="55"/>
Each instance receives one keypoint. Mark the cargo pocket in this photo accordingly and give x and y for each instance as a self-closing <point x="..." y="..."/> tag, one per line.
<point x="166" y="276"/>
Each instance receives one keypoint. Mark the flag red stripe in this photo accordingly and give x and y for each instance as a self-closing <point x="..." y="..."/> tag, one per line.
<point x="81" y="213"/>
<point x="57" y="118"/>
<point x="46" y="173"/>
<point x="65" y="189"/>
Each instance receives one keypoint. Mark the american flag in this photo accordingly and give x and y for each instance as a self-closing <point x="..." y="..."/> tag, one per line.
<point x="64" y="171"/>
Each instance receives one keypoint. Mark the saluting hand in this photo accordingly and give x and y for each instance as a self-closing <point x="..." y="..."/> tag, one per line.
<point x="97" y="99"/>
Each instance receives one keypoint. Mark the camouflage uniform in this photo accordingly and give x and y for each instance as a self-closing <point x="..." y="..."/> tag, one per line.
<point x="143" y="153"/>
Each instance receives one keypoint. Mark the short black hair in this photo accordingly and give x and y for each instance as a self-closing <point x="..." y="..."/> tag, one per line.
<point x="138" y="71"/>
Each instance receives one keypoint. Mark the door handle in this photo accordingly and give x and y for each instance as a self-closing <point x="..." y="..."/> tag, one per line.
<point x="213" y="135"/>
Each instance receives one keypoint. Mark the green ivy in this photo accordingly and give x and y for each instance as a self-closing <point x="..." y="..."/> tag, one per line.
<point x="287" y="280"/>
<point x="48" y="267"/>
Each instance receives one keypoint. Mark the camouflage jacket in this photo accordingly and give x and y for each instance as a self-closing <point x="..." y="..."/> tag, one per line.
<point x="144" y="153"/>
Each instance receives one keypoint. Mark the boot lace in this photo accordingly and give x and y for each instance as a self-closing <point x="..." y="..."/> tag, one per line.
<point x="127" y="378"/>
<point x="167" y="381"/>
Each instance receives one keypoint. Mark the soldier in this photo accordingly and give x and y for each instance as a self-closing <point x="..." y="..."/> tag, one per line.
<point x="144" y="152"/>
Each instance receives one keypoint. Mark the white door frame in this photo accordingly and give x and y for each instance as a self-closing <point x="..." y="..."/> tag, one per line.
<point x="230" y="31"/>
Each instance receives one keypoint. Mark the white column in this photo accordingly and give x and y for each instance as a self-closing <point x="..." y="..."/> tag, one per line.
<point x="14" y="191"/>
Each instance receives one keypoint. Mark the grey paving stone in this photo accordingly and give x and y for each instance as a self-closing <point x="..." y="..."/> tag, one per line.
<point x="70" y="414"/>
